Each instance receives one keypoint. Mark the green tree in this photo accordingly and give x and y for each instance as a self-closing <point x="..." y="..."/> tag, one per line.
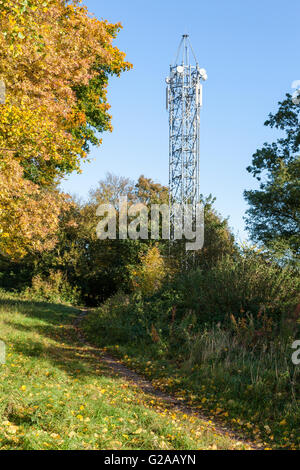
<point x="273" y="218"/>
<point x="218" y="238"/>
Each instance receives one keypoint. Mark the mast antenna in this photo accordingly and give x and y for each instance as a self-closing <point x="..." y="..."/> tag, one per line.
<point x="183" y="102"/>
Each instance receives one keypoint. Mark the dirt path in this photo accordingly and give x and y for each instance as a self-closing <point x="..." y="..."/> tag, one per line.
<point x="146" y="386"/>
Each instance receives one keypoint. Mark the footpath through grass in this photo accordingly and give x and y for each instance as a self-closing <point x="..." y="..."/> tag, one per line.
<point x="254" y="391"/>
<point x="56" y="394"/>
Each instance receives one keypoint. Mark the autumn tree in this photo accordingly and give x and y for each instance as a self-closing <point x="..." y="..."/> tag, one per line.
<point x="29" y="216"/>
<point x="97" y="267"/>
<point x="149" y="192"/>
<point x="111" y="188"/>
<point x="55" y="60"/>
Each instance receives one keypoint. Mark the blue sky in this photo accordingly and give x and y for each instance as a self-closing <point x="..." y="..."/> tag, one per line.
<point x="250" y="50"/>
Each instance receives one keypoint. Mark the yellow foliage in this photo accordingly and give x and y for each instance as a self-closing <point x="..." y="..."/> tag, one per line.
<point x="48" y="50"/>
<point x="25" y="226"/>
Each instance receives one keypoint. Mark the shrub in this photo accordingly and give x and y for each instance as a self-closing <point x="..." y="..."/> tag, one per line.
<point x="247" y="285"/>
<point x="148" y="276"/>
<point x="251" y="297"/>
<point x="53" y="288"/>
<point x="116" y="321"/>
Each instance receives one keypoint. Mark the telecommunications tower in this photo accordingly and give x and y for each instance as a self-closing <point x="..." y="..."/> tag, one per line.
<point x="183" y="101"/>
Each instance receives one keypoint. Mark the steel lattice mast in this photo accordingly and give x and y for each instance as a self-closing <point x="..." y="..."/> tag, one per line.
<point x="183" y="101"/>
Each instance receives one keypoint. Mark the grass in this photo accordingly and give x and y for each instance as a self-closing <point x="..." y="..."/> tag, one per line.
<point x="253" y="389"/>
<point x="56" y="394"/>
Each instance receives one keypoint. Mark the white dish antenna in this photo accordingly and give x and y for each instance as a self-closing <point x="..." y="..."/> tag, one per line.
<point x="203" y="74"/>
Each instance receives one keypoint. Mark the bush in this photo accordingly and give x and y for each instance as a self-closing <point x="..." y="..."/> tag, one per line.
<point x="248" y="284"/>
<point x="251" y="297"/>
<point x="116" y="321"/>
<point x="52" y="288"/>
<point x="147" y="277"/>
